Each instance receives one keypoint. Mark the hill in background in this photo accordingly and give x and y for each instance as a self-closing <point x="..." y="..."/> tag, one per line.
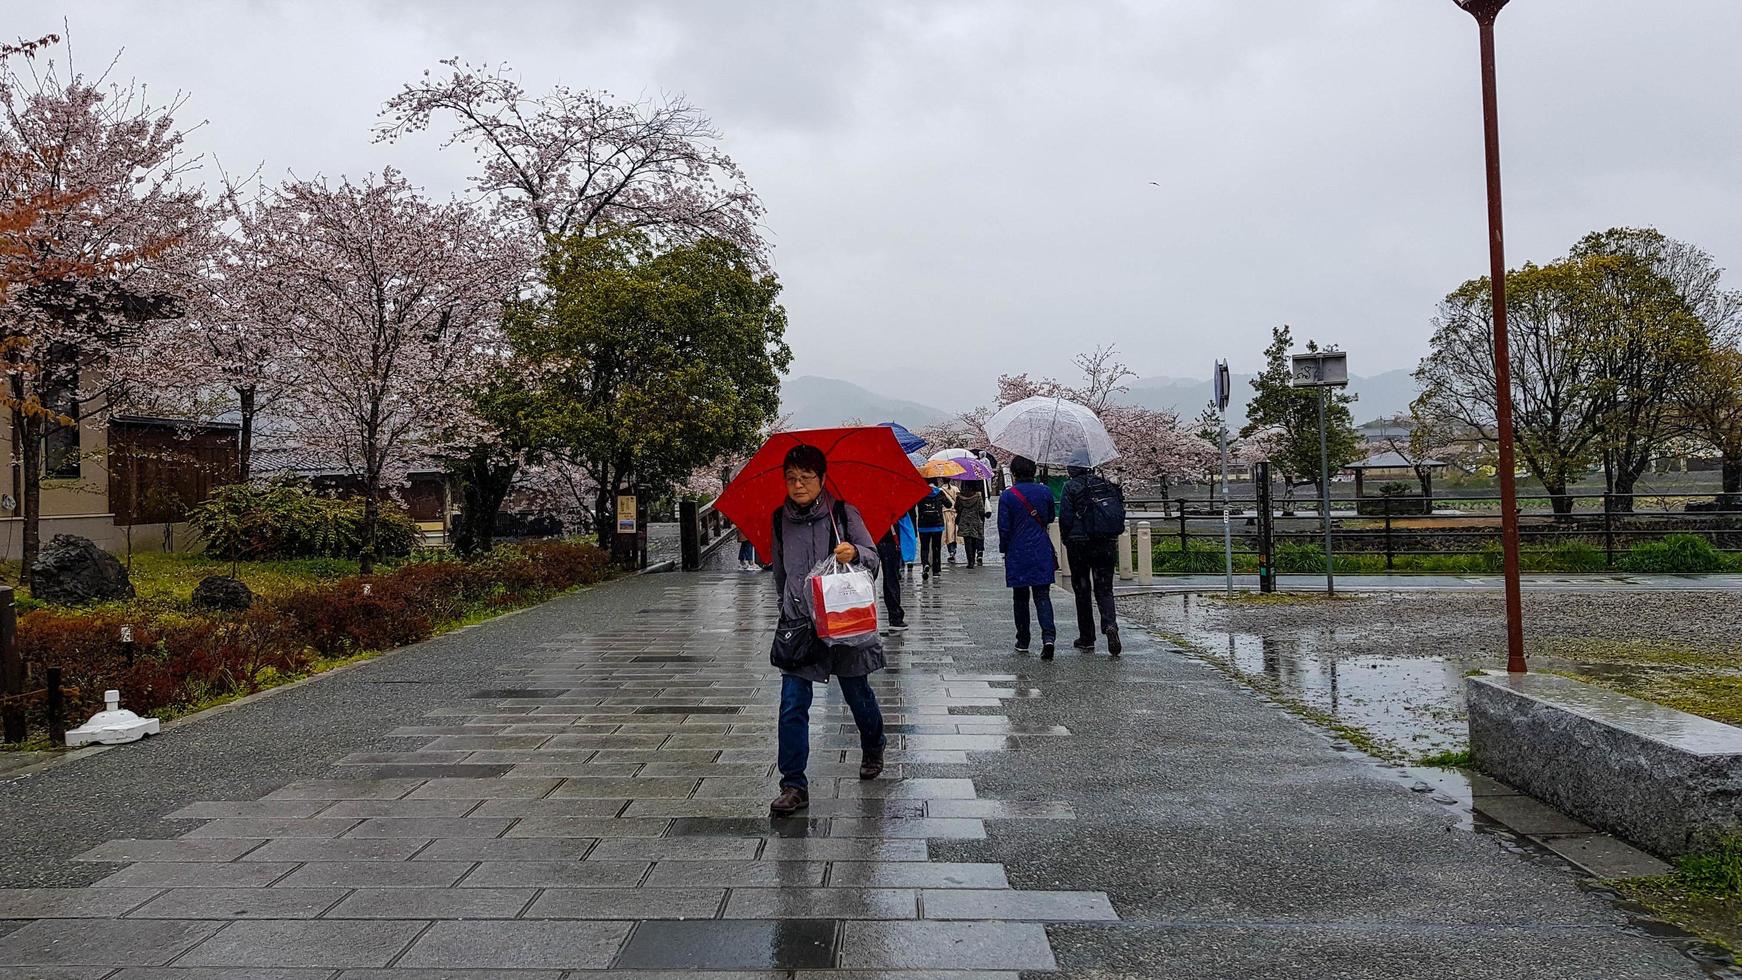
<point x="817" y="403"/>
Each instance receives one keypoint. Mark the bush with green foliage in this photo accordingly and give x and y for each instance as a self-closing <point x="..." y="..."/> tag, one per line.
<point x="1675" y="553"/>
<point x="287" y="519"/>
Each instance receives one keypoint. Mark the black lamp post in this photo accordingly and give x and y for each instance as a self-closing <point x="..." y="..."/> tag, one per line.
<point x="1486" y="12"/>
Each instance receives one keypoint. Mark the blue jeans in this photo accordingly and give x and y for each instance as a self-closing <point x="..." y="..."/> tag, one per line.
<point x="746" y="551"/>
<point x="795" y="723"/>
<point x="1042" y="607"/>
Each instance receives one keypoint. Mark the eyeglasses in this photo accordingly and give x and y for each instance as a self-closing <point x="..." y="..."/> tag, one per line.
<point x="802" y="479"/>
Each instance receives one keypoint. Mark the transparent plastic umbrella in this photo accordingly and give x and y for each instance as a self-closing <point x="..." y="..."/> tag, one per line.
<point x="1052" y="431"/>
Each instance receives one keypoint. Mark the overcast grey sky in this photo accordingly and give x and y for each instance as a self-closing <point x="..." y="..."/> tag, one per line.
<point x="957" y="189"/>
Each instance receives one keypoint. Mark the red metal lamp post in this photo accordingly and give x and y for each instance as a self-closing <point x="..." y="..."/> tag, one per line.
<point x="1486" y="12"/>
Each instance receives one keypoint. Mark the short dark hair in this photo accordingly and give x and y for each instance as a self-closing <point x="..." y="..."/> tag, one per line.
<point x="1022" y="468"/>
<point x="807" y="458"/>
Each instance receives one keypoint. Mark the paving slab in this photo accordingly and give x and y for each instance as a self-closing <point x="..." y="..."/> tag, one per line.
<point x="518" y="945"/>
<point x="240" y="903"/>
<point x="790" y="944"/>
<point x="332" y="944"/>
<point x="101" y="942"/>
<point x="71" y="903"/>
<point x="627" y="903"/>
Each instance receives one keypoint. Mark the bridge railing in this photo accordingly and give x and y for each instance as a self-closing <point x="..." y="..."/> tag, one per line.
<point x="702" y="529"/>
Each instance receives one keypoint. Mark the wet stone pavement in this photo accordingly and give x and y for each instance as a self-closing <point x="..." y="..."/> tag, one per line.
<point x="580" y="791"/>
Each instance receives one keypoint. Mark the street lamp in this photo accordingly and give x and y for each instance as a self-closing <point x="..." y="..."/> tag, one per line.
<point x="1486" y="12"/>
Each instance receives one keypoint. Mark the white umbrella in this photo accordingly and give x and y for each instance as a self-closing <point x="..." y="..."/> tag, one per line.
<point x="953" y="454"/>
<point x="1052" y="431"/>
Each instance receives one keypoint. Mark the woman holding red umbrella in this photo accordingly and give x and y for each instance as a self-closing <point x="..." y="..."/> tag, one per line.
<point x="808" y="527"/>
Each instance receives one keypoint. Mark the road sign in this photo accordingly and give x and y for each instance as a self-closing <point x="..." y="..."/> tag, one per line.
<point x="1224" y="386"/>
<point x="1321" y="369"/>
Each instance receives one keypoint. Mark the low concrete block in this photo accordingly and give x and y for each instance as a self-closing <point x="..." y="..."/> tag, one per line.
<point x="1661" y="778"/>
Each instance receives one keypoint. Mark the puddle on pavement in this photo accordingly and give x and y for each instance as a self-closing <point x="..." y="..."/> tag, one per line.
<point x="1413" y="705"/>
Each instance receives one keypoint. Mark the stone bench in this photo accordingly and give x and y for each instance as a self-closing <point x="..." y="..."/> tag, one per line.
<point x="1663" y="779"/>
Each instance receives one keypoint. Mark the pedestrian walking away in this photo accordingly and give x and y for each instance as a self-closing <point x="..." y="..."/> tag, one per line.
<point x="971" y="521"/>
<point x="1024" y="513"/>
<point x="809" y="527"/>
<point x="928" y="517"/>
<point x="952" y="537"/>
<point x="1091" y="518"/>
<point x="889" y="560"/>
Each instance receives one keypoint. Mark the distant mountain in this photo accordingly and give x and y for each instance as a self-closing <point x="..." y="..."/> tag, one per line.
<point x="1382" y="395"/>
<point x="815" y="403"/>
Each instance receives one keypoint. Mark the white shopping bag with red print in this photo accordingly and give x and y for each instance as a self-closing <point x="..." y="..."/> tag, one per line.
<point x="843" y="602"/>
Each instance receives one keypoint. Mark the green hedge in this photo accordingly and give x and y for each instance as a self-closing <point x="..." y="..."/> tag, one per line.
<point x="287" y="519"/>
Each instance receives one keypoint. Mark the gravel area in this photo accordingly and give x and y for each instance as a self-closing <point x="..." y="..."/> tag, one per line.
<point x="1391" y="665"/>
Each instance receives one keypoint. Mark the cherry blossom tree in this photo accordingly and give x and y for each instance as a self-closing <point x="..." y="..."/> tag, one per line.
<point x="391" y="304"/>
<point x="1155" y="449"/>
<point x="229" y="355"/>
<point x="103" y="169"/>
<point x="574" y="164"/>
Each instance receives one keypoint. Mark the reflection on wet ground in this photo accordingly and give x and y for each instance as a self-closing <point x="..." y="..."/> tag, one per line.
<point x="1411" y="706"/>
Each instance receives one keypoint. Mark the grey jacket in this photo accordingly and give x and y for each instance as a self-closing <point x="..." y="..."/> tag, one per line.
<point x="807" y="537"/>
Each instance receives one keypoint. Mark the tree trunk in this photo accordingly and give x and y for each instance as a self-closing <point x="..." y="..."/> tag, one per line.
<point x="1559" y="499"/>
<point x="1732" y="498"/>
<point x="1626" y="478"/>
<point x="371" y="518"/>
<point x="605" y="516"/>
<point x="245" y="452"/>
<point x="484" y="485"/>
<point x="29" y="429"/>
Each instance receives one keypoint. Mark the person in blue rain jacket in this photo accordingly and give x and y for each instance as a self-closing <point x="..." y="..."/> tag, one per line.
<point x="1030" y="564"/>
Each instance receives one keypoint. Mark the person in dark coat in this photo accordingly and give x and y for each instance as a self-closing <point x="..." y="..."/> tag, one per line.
<point x="928" y="517"/>
<point x="805" y="534"/>
<point x="1030" y="564"/>
<point x="971" y="521"/>
<point x="1093" y="551"/>
<point x="889" y="557"/>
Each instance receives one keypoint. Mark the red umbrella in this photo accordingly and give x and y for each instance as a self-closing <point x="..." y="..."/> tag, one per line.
<point x="866" y="469"/>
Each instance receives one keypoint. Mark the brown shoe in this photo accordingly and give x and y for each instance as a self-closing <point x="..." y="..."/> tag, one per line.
<point x="790" y="801"/>
<point x="871" y="766"/>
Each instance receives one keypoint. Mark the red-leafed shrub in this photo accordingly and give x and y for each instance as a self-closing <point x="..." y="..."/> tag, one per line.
<point x="566" y="564"/>
<point x="184" y="659"/>
<point x="339" y="619"/>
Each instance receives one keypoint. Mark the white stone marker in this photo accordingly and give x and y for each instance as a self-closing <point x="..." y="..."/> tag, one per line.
<point x="112" y="726"/>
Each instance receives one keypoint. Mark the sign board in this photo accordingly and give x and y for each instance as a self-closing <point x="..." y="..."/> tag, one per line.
<point x="626" y="514"/>
<point x="1321" y="369"/>
<point x="1223" y="386"/>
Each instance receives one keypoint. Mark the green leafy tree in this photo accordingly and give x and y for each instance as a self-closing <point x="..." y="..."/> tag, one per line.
<point x="1640" y="294"/>
<point x="1709" y="403"/>
<point x="1557" y="404"/>
<point x="640" y="364"/>
<point x="1290" y="416"/>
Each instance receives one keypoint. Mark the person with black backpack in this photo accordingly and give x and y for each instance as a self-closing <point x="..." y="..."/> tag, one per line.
<point x="1091" y="518"/>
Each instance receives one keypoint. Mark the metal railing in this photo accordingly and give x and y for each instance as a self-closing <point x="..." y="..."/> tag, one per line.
<point x="1400" y="529"/>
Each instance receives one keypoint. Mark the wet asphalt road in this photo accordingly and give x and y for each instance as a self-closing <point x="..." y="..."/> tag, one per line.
<point x="1234" y="841"/>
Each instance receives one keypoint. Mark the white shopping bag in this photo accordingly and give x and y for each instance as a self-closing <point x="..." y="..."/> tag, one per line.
<point x="843" y="601"/>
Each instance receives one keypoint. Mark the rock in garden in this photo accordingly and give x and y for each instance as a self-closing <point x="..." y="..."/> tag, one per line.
<point x="221" y="593"/>
<point x="72" y="571"/>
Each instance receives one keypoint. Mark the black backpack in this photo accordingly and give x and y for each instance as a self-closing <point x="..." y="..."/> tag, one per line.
<point x="930" y="511"/>
<point x="1101" y="512"/>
